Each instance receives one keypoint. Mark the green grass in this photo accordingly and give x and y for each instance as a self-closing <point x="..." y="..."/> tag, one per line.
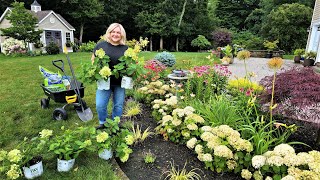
<point x="288" y="56"/>
<point x="21" y="115"/>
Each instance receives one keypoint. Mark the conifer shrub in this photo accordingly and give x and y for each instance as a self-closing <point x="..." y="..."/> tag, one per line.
<point x="166" y="58"/>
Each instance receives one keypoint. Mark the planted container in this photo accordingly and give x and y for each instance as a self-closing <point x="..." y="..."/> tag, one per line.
<point x="33" y="171"/>
<point x="103" y="85"/>
<point x="106" y="154"/>
<point x="65" y="165"/>
<point x="127" y="82"/>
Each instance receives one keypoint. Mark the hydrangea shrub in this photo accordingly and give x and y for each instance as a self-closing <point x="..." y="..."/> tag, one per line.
<point x="13" y="46"/>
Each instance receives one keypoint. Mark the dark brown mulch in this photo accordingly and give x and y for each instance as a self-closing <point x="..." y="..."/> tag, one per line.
<point x="166" y="153"/>
<point x="307" y="133"/>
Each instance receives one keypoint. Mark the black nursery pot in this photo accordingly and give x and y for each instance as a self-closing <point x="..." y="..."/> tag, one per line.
<point x="308" y="62"/>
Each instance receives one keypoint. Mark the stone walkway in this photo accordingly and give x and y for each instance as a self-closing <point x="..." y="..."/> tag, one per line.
<point x="258" y="66"/>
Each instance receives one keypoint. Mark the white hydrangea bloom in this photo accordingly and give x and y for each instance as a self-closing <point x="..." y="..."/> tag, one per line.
<point x="246" y="174"/>
<point x="283" y="149"/>
<point x="223" y="151"/>
<point x="258" y="161"/>
<point x="305" y="158"/>
<point x="191" y="143"/>
<point x="198" y="149"/>
<point x="274" y="161"/>
<point x="192" y="127"/>
<point x="206" y="128"/>
<point x="206" y="136"/>
<point x="288" y="177"/>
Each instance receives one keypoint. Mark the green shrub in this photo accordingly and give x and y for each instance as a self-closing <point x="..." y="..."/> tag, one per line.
<point x="299" y="52"/>
<point x="247" y="40"/>
<point x="166" y="58"/>
<point x="87" y="47"/>
<point x="201" y="42"/>
<point x="52" y="48"/>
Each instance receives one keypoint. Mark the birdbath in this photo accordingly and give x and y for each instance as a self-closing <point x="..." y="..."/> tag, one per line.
<point x="179" y="76"/>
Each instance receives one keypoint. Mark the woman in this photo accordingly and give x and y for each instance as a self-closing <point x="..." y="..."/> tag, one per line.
<point x="114" y="47"/>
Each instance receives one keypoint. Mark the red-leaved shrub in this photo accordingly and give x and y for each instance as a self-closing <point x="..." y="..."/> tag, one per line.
<point x="297" y="93"/>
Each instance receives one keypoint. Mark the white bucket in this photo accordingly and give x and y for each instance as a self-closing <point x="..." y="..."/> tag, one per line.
<point x="106" y="154"/>
<point x="65" y="165"/>
<point x="127" y="82"/>
<point x="103" y="85"/>
<point x="33" y="171"/>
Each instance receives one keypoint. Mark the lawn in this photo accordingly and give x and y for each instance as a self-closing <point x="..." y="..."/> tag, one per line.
<point x="21" y="115"/>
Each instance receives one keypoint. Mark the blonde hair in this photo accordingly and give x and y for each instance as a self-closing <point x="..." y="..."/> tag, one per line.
<point x="111" y="28"/>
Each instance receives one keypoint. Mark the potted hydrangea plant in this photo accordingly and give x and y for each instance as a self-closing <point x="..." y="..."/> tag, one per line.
<point x="70" y="144"/>
<point x="114" y="139"/>
<point x="131" y="65"/>
<point x="98" y="71"/>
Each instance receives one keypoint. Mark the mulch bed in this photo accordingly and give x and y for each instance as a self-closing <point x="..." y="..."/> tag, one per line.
<point x="166" y="153"/>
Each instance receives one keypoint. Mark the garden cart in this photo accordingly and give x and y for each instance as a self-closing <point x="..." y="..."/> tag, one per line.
<point x="72" y="96"/>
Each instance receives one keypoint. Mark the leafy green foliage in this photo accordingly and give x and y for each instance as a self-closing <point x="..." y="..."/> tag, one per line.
<point x="87" y="47"/>
<point x="52" y="48"/>
<point x="299" y="52"/>
<point x="214" y="111"/>
<point x="72" y="142"/>
<point x="295" y="17"/>
<point x="23" y="24"/>
<point x="201" y="42"/>
<point x="149" y="158"/>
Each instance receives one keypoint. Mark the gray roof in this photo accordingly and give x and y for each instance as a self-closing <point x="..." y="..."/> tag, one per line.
<point x="42" y="14"/>
<point x="35" y="3"/>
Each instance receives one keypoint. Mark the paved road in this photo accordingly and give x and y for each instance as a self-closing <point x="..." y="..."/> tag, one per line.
<point x="258" y="66"/>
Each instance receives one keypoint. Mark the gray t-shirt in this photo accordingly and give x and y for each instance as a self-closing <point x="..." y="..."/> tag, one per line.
<point x="114" y="52"/>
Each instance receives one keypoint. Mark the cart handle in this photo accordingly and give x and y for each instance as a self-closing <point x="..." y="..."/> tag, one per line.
<point x="55" y="63"/>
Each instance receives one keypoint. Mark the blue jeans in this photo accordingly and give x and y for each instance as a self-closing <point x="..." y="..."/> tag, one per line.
<point x="102" y="100"/>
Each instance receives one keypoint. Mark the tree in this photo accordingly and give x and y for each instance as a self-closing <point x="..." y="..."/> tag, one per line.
<point x="84" y="11"/>
<point x="23" y="25"/>
<point x="232" y="13"/>
<point x="201" y="42"/>
<point x="288" y="23"/>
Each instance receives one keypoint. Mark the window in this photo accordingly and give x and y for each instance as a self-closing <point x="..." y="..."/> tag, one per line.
<point x="68" y="36"/>
<point x="48" y="34"/>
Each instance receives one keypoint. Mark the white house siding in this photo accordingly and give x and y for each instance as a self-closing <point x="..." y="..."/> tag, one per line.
<point x="314" y="34"/>
<point x="57" y="25"/>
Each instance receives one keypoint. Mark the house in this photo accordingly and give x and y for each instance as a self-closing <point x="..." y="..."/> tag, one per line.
<point x="314" y="32"/>
<point x="55" y="27"/>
